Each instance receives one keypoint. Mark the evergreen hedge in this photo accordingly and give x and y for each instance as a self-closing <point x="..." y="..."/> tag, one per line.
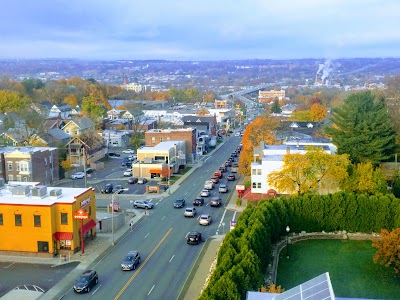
<point x="246" y="251"/>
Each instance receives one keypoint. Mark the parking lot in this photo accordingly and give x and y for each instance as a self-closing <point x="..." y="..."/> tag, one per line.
<point x="113" y="173"/>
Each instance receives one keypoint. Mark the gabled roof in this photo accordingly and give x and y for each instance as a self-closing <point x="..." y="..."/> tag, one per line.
<point x="63" y="107"/>
<point x="82" y="123"/>
<point x="58" y="134"/>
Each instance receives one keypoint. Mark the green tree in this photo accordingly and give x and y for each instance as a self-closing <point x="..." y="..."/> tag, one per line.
<point x="362" y="128"/>
<point x="275" y="108"/>
<point x="92" y="108"/>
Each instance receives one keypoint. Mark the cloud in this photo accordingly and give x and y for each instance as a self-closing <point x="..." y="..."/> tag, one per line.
<point x="205" y="29"/>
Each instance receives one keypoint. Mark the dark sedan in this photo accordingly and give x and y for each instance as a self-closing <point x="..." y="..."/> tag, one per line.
<point x="179" y="203"/>
<point x="198" y="201"/>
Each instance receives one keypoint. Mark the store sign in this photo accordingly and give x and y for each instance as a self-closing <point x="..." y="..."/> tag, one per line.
<point x="85" y="203"/>
<point x="240" y="187"/>
<point x="81" y="215"/>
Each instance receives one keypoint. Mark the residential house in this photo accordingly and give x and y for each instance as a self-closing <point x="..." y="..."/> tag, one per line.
<point x="115" y="138"/>
<point x="207" y="124"/>
<point x="79" y="127"/>
<point x="43" y="108"/>
<point x="115" y="114"/>
<point x="30" y="164"/>
<point x="63" y="110"/>
<point x="153" y="137"/>
<point x="87" y="149"/>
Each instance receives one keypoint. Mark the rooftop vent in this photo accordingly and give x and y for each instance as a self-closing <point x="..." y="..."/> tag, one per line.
<point x="56" y="193"/>
<point x="39" y="191"/>
<point x="20" y="190"/>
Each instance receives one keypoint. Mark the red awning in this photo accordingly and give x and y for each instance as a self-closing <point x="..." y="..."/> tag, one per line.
<point x="62" y="236"/>
<point x="89" y="225"/>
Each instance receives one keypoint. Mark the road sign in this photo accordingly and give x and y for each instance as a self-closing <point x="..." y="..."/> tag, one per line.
<point x="116" y="206"/>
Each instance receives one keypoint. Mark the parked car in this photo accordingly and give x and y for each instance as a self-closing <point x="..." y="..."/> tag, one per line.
<point x="223" y="188"/>
<point x="126" y="163"/>
<point x="128" y="151"/>
<point x="190" y="212"/>
<point x="237" y="134"/>
<point x="231" y="177"/>
<point x="179" y="203"/>
<point x="118" y="189"/>
<point x="78" y="175"/>
<point x="89" y="171"/>
<point x="113" y="154"/>
<point x="86" y="281"/>
<point x="132" y="157"/>
<point x="198" y="201"/>
<point x="205" y="193"/>
<point x="215" y="201"/>
<point x="228" y="163"/>
<point x="130" y="261"/>
<point x="143" y="204"/>
<point x="142" y="180"/>
<point x="193" y="237"/>
<point x="128" y="172"/>
<point x="107" y="189"/>
<point x="205" y="219"/>
<point x="132" y="180"/>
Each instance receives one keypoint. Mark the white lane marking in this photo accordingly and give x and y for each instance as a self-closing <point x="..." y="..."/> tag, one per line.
<point x="163" y="218"/>
<point x="151" y="290"/>
<point x="186" y="194"/>
<point x="94" y="292"/>
<point x="9" y="265"/>
<point x="234" y="214"/>
<point x="172" y="258"/>
<point x="222" y="221"/>
<point x="147" y="235"/>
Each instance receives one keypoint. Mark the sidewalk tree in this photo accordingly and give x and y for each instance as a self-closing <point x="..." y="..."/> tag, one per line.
<point x="388" y="250"/>
<point x="313" y="171"/>
<point x="261" y="129"/>
<point x="362" y="128"/>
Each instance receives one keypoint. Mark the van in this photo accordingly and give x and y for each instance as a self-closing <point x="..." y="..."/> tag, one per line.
<point x="208" y="185"/>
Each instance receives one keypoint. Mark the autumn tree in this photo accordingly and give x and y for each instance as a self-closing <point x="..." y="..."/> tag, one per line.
<point x="362" y="128"/>
<point x="301" y="116"/>
<point x="365" y="178"/>
<point x="71" y="100"/>
<point x="11" y="101"/>
<point x="388" y="250"/>
<point x="317" y="112"/>
<point x="92" y="107"/>
<point x="314" y="171"/>
<point x="272" y="288"/>
<point x="261" y="129"/>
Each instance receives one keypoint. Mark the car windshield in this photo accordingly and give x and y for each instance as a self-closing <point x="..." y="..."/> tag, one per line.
<point x="82" y="280"/>
<point x="146" y="202"/>
<point x="128" y="258"/>
<point x="179" y="200"/>
<point x="189" y="209"/>
<point x="204" y="217"/>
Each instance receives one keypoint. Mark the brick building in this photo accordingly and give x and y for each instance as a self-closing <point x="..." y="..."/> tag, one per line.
<point x="155" y="136"/>
<point x="268" y="96"/>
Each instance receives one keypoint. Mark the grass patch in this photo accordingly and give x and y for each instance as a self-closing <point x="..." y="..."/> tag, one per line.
<point x="187" y="169"/>
<point x="349" y="263"/>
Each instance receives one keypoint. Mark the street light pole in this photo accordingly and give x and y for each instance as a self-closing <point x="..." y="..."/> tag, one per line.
<point x="287" y="241"/>
<point x="112" y="217"/>
<point x="169" y="174"/>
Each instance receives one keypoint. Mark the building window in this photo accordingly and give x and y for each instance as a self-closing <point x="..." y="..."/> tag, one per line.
<point x="64" y="219"/>
<point x="10" y="177"/>
<point x="19" y="178"/>
<point x="153" y="140"/>
<point x="253" y="171"/>
<point x="24" y="166"/>
<point x="17" y="166"/>
<point x="259" y="185"/>
<point x="258" y="171"/>
<point x="18" y="220"/>
<point x="256" y="185"/>
<point x="1" y="219"/>
<point x="37" y="221"/>
<point x="9" y="166"/>
<point x="161" y="139"/>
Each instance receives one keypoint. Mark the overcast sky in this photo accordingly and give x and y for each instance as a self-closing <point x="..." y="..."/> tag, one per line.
<point x="199" y="29"/>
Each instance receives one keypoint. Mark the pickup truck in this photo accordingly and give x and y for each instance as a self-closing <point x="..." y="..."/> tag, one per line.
<point x="208" y="185"/>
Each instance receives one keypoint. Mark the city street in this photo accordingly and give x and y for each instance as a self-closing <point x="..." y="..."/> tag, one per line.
<point x="166" y="257"/>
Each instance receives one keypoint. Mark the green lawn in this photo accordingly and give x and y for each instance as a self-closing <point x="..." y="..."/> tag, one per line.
<point x="350" y="266"/>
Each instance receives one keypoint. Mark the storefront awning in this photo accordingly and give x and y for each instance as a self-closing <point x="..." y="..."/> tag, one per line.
<point x="89" y="225"/>
<point x="67" y="236"/>
<point x="155" y="171"/>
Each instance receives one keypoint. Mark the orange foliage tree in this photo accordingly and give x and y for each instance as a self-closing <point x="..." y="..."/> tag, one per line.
<point x="261" y="129"/>
<point x="71" y="100"/>
<point x="318" y="112"/>
<point x="388" y="250"/>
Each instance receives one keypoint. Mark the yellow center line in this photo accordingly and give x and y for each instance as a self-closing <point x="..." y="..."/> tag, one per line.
<point x="142" y="265"/>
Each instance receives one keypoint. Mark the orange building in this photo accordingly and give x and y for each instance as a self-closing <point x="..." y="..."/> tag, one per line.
<point x="37" y="220"/>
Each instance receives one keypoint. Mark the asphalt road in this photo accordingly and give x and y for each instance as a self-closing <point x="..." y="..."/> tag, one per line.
<point x="42" y="276"/>
<point x="166" y="257"/>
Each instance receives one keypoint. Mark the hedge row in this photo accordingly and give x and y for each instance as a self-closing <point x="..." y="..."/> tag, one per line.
<point x="246" y="250"/>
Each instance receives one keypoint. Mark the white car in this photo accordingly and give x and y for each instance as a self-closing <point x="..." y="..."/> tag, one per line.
<point x="237" y="133"/>
<point x="128" y="173"/>
<point x="205" y="219"/>
<point x="190" y="212"/>
<point x="132" y="157"/>
<point x="205" y="193"/>
<point x="128" y="151"/>
<point x="78" y="175"/>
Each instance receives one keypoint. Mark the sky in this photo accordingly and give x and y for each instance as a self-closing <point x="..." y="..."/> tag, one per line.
<point x="199" y="29"/>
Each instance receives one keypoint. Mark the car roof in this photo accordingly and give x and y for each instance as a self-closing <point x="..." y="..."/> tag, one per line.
<point x="87" y="272"/>
<point x="194" y="232"/>
<point x="133" y="252"/>
<point x="205" y="216"/>
<point x="190" y="208"/>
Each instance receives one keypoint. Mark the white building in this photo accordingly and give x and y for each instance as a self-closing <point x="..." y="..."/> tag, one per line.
<point x="138" y="88"/>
